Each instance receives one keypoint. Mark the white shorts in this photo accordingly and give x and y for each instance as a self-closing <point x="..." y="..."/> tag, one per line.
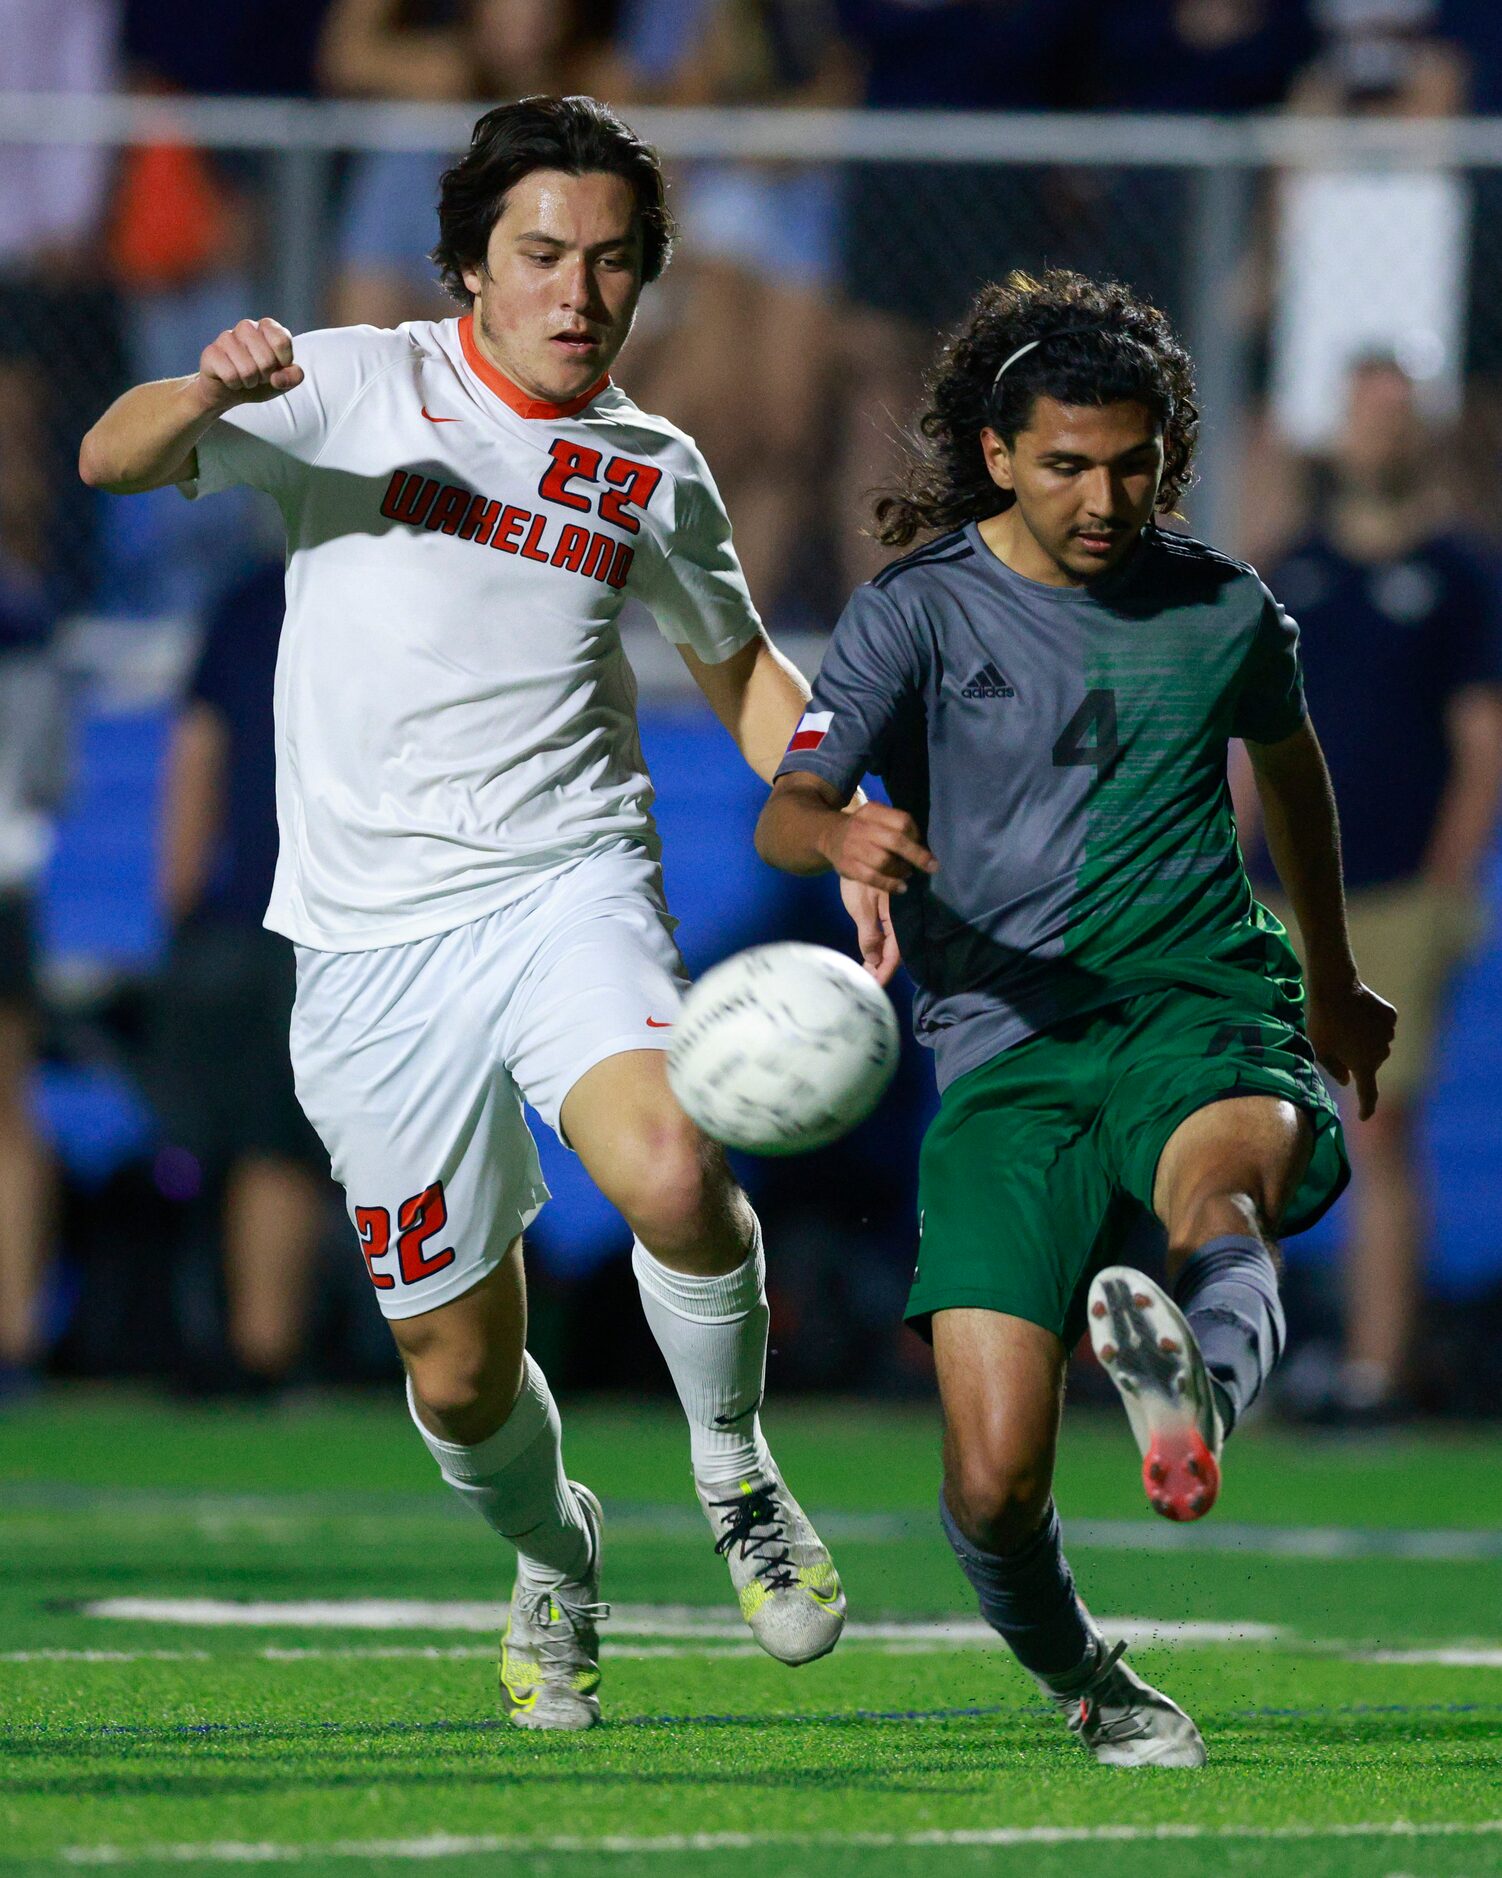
<point x="412" y="1062"/>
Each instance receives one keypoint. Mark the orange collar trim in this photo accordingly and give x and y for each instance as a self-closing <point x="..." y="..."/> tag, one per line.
<point x="513" y="395"/>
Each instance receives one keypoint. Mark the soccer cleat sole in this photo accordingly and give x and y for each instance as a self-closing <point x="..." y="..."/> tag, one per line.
<point x="1149" y="1352"/>
<point x="1180" y="1475"/>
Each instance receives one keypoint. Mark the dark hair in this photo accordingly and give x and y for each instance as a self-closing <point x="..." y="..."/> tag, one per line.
<point x="1101" y="345"/>
<point x="577" y="135"/>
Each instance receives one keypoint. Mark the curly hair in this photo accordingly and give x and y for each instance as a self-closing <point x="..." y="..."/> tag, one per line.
<point x="1103" y="346"/>
<point x="576" y="135"/>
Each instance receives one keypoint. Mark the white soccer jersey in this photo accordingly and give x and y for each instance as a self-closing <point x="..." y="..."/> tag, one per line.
<point x="455" y="716"/>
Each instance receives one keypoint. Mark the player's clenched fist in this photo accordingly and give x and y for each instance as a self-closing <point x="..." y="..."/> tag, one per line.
<point x="249" y="363"/>
<point x="877" y="846"/>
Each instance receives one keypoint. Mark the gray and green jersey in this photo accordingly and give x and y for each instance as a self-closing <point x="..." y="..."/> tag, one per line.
<point x="1063" y="751"/>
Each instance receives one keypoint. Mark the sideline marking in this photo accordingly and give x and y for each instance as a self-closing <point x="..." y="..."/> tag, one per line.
<point x="638" y="1519"/>
<point x="682" y="1622"/>
<point x="445" y="1845"/>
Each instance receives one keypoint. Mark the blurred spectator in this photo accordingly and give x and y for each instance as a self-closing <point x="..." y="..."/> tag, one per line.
<point x="1402" y="653"/>
<point x="1210" y="56"/>
<point x="31" y="745"/>
<point x="426" y="53"/>
<point x="920" y="237"/>
<point x="1472" y="31"/>
<point x="1370" y="257"/>
<point x="751" y="323"/>
<point x="1213" y="57"/>
<point x="187" y="228"/>
<point x="252" y="49"/>
<point x="58" y="317"/>
<point x="222" y="1078"/>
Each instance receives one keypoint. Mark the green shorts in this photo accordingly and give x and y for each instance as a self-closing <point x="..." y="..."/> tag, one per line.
<point x="1040" y="1162"/>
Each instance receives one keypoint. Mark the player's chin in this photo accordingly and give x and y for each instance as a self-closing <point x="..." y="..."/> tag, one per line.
<point x="1089" y="563"/>
<point x="575" y="368"/>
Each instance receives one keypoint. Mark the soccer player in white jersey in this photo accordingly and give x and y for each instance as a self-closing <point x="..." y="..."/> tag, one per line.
<point x="468" y="865"/>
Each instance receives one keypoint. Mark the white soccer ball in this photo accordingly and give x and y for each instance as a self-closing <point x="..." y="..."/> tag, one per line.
<point x="783" y="1048"/>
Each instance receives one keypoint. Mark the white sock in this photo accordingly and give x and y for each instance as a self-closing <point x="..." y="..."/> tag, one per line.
<point x="713" y="1334"/>
<point x="514" y="1480"/>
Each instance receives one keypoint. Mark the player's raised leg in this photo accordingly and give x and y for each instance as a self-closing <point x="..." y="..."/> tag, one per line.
<point x="699" y="1264"/>
<point x="1189" y="1366"/>
<point x="1001" y="1380"/>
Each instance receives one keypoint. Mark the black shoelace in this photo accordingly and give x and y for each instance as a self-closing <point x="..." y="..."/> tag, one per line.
<point x="743" y="1515"/>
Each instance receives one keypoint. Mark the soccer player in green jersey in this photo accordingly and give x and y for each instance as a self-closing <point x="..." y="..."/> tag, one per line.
<point x="1047" y="687"/>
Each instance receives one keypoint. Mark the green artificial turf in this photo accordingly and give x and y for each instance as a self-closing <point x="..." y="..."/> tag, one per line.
<point x="291" y="1739"/>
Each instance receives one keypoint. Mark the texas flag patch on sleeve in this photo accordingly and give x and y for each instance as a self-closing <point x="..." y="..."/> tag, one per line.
<point x="813" y="728"/>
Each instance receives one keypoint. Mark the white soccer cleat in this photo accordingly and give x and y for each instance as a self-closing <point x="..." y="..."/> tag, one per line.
<point x="550" y="1654"/>
<point x="1146" y="1347"/>
<point x="789" y="1591"/>
<point x="1124" y="1722"/>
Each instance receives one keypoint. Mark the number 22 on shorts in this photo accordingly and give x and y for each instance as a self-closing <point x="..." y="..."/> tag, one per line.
<point x="417" y="1220"/>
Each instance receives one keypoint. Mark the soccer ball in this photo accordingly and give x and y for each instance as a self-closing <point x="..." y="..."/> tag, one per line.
<point x="783" y="1048"/>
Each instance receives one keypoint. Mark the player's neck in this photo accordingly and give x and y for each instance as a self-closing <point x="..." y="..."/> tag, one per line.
<point x="514" y="386"/>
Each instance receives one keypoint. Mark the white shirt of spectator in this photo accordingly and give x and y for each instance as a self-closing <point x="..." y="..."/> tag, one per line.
<point x="455" y="715"/>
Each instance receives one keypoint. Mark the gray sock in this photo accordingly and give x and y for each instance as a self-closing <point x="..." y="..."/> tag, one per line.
<point x="1228" y="1290"/>
<point x="1028" y="1597"/>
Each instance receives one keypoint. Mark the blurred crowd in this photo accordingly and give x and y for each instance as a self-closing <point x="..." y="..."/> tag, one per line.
<point x="789" y="337"/>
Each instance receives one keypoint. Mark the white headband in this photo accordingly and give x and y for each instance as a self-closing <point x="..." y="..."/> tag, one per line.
<point x="1007" y="364"/>
<point x="1063" y="332"/>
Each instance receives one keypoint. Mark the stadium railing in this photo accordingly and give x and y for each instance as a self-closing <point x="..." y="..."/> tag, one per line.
<point x="925" y="204"/>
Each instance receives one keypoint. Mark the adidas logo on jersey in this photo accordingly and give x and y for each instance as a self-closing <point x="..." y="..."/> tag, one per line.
<point x="988" y="682"/>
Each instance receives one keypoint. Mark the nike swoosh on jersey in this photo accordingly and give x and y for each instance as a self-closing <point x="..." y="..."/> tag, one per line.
<point x="440" y="420"/>
<point x="659" y="1023"/>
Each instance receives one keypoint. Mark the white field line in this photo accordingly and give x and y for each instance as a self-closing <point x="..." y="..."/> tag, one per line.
<point x="681" y="1622"/>
<point x="445" y="1845"/>
<point x="373" y="1653"/>
<point x="1458" y="1656"/>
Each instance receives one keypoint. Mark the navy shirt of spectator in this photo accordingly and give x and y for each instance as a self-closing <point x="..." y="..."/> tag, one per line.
<point x="254" y="49"/>
<point x="958" y="55"/>
<point x="1142" y="58"/>
<point x="234" y="676"/>
<point x="1385" y="646"/>
<point x="1475" y="28"/>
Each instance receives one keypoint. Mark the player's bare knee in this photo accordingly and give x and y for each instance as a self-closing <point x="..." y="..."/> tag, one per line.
<point x="998" y="1500"/>
<point x="464" y="1392"/>
<point x="679" y="1191"/>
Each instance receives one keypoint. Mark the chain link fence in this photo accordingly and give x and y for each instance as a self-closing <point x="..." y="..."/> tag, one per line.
<point x="823" y="255"/>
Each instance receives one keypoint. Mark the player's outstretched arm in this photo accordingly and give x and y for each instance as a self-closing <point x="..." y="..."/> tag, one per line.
<point x="804" y="829"/>
<point x="1350" y="1027"/>
<point x="146" y="439"/>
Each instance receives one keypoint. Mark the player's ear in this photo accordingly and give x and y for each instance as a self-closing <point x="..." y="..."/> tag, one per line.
<point x="998" y="458"/>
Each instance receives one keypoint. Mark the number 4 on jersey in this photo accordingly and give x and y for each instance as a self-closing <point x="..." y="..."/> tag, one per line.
<point x="1089" y="738"/>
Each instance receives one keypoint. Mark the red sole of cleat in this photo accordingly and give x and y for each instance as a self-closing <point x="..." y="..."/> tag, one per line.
<point x="1181" y="1475"/>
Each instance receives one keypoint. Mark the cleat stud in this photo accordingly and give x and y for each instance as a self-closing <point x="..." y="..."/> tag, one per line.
<point x="1196" y="1503"/>
<point x="1193" y="1466"/>
<point x="1108" y="1352"/>
<point x="1160" y="1503"/>
<point x="1168" y="1344"/>
<point x="1157" y="1472"/>
<point x="1141" y="1300"/>
<point x="1097" y="1309"/>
